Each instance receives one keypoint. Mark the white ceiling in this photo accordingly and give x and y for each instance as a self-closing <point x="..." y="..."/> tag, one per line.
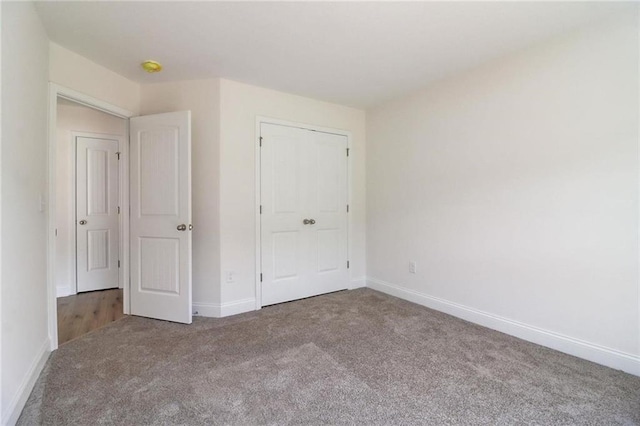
<point x="356" y="54"/>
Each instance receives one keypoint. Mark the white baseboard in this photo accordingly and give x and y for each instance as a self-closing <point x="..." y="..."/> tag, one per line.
<point x="358" y="283"/>
<point x="593" y="352"/>
<point x="210" y="310"/>
<point x="215" y="310"/>
<point x="11" y="414"/>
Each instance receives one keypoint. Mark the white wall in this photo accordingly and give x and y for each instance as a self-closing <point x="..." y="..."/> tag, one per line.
<point x="202" y="97"/>
<point x="24" y="240"/>
<point x="73" y="118"/>
<point x="515" y="189"/>
<point x="76" y="72"/>
<point x="224" y="119"/>
<point x="240" y="104"/>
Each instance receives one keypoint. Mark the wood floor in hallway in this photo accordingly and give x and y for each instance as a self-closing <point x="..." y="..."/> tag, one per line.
<point x="85" y="312"/>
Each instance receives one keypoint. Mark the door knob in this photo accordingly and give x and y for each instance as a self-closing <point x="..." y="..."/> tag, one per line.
<point x="306" y="221"/>
<point x="312" y="221"/>
<point x="182" y="227"/>
<point x="83" y="222"/>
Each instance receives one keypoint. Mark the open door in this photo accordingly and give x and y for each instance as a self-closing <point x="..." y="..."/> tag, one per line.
<point x="160" y="218"/>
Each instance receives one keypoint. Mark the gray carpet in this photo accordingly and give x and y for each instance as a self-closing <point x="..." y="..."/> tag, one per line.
<point x="357" y="357"/>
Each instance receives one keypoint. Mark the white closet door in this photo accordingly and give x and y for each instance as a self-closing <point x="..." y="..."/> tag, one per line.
<point x="97" y="231"/>
<point x="304" y="218"/>
<point x="284" y="183"/>
<point x="328" y="204"/>
<point x="160" y="224"/>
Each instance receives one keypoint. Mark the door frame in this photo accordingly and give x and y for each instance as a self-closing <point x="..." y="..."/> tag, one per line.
<point x="258" y="177"/>
<point x="57" y="91"/>
<point x="122" y="201"/>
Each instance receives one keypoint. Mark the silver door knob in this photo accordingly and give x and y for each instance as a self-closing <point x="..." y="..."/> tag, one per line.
<point x="182" y="227"/>
<point x="83" y="222"/>
<point x="312" y="221"/>
<point x="306" y="221"/>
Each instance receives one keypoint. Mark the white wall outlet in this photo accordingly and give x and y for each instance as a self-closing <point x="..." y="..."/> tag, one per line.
<point x="231" y="276"/>
<point x="412" y="267"/>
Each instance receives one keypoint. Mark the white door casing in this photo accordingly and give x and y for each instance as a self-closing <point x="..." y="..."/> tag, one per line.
<point x="97" y="222"/>
<point x="160" y="222"/>
<point x="303" y="176"/>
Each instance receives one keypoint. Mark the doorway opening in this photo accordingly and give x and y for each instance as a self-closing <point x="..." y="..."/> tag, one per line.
<point x="89" y="236"/>
<point x="61" y="228"/>
<point x="145" y="234"/>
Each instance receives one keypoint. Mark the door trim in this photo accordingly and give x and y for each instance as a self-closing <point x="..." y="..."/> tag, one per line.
<point x="56" y="91"/>
<point x="123" y="202"/>
<point x="258" y="177"/>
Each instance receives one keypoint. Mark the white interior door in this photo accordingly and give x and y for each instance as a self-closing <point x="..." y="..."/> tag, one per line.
<point x="97" y="225"/>
<point x="304" y="213"/>
<point x="160" y="222"/>
<point x="328" y="199"/>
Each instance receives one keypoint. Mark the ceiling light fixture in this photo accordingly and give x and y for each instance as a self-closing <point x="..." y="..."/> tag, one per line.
<point x="151" y="66"/>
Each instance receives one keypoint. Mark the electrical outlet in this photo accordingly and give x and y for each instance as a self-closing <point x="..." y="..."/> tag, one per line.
<point x="412" y="267"/>
<point x="231" y="276"/>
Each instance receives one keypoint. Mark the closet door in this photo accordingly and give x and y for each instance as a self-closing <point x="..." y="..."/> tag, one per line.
<point x="327" y="171"/>
<point x="304" y="217"/>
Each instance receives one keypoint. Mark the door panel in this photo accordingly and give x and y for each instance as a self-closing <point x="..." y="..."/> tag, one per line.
<point x="161" y="216"/>
<point x="285" y="254"/>
<point x="97" y="181"/>
<point x="97" y="224"/>
<point x="286" y="173"/>
<point x="160" y="265"/>
<point x="303" y="176"/>
<point x="328" y="250"/>
<point x="159" y="178"/>
<point x="98" y="253"/>
<point x="328" y="176"/>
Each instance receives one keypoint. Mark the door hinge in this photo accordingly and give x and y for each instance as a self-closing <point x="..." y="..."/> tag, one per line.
<point x="118" y="154"/>
<point x="347" y="208"/>
<point x="260" y="140"/>
<point x="260" y="208"/>
<point x="347" y="264"/>
<point x="261" y="277"/>
<point x="56" y="232"/>
<point x="118" y="263"/>
<point x="347" y="152"/>
<point x="119" y="209"/>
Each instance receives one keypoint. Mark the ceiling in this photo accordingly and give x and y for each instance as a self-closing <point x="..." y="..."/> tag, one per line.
<point x="351" y="53"/>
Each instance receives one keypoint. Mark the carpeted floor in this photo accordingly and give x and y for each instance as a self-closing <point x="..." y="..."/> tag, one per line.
<point x="356" y="357"/>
